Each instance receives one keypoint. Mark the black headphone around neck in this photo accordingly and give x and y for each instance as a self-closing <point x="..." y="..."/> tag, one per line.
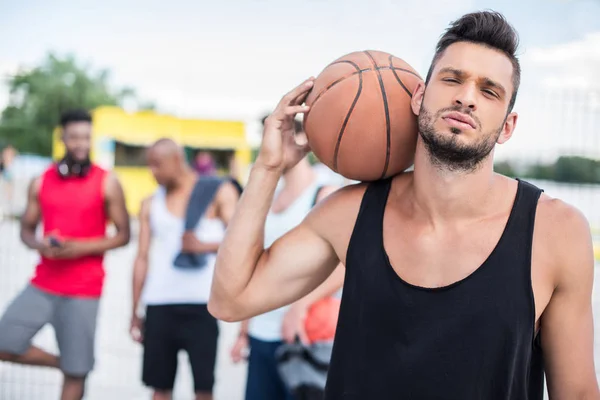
<point x="67" y="167"/>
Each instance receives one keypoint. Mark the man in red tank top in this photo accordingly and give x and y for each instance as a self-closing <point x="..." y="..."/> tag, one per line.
<point x="74" y="200"/>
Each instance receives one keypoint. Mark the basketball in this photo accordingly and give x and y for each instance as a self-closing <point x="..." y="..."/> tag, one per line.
<point x="360" y="123"/>
<point x="321" y="319"/>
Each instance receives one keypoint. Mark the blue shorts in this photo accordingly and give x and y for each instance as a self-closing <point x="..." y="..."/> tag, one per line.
<point x="264" y="381"/>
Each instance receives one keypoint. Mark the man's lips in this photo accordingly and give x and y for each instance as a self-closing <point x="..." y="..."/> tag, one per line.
<point x="459" y="120"/>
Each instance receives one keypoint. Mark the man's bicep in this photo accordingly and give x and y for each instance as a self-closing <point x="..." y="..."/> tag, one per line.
<point x="567" y="340"/>
<point x="145" y="232"/>
<point x="228" y="198"/>
<point x="291" y="268"/>
<point x="567" y="330"/>
<point x="32" y="214"/>
<point x="115" y="203"/>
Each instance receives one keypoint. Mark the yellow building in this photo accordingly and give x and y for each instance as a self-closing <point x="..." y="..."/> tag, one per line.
<point x="120" y="140"/>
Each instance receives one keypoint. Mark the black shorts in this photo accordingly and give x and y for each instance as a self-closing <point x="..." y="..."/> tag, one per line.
<point x="174" y="327"/>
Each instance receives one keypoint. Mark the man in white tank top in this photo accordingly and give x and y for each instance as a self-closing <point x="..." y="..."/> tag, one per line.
<point x="265" y="333"/>
<point x="175" y="297"/>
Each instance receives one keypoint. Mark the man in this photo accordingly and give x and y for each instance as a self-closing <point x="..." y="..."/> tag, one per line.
<point x="264" y="334"/>
<point x="176" y="315"/>
<point x="73" y="199"/>
<point x="204" y="164"/>
<point x="458" y="283"/>
<point x="6" y="177"/>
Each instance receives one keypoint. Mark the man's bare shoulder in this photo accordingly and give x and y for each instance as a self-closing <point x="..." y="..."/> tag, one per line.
<point x="34" y="186"/>
<point x="342" y="200"/>
<point x="112" y="185"/>
<point x="145" y="205"/>
<point x="559" y="219"/>
<point x="227" y="192"/>
<point x="565" y="234"/>
<point x="333" y="217"/>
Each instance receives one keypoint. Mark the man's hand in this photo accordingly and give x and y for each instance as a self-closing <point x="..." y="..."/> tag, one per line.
<point x="294" y="324"/>
<point x="68" y="249"/>
<point x="49" y="246"/>
<point x="190" y="244"/>
<point x="279" y="147"/>
<point x="239" y="351"/>
<point x="136" y="329"/>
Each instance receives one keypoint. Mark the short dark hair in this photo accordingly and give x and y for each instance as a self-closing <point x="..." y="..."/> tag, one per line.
<point x="488" y="28"/>
<point x="298" y="124"/>
<point x="75" y="115"/>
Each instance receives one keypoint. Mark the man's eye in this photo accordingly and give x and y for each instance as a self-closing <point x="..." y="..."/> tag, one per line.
<point x="490" y="92"/>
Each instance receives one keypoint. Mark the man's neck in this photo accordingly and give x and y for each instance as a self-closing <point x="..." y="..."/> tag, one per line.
<point x="184" y="180"/>
<point x="443" y="194"/>
<point x="300" y="177"/>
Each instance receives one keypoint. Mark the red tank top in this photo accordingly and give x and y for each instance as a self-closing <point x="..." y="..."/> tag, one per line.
<point x="74" y="209"/>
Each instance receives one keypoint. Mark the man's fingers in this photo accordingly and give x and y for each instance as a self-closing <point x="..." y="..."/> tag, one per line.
<point x="300" y="99"/>
<point x="288" y="335"/>
<point x="296" y="92"/>
<point x="293" y="110"/>
<point x="303" y="336"/>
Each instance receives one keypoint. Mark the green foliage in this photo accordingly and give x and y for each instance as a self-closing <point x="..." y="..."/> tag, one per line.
<point x="505" y="168"/>
<point x="577" y="169"/>
<point x="38" y="97"/>
<point x="541" y="171"/>
<point x="569" y="169"/>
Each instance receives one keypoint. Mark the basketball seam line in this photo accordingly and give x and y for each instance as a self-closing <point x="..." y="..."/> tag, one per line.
<point x="348" y="115"/>
<point x="358" y="71"/>
<point x="387" y="116"/>
<point x="377" y="67"/>
<point x="399" y="80"/>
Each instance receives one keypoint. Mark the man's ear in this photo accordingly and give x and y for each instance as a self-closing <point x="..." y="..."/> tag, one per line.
<point x="509" y="127"/>
<point x="417" y="98"/>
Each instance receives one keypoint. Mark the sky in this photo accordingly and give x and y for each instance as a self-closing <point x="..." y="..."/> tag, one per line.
<point x="234" y="59"/>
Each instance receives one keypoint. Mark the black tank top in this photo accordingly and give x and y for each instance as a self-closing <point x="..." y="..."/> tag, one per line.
<point x="471" y="340"/>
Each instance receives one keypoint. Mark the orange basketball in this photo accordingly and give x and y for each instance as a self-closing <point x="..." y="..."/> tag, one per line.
<point x="321" y="319"/>
<point x="360" y="123"/>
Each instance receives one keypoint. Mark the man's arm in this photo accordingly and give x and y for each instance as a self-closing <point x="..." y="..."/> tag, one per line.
<point x="295" y="318"/>
<point x="567" y="331"/>
<point x="226" y="200"/>
<point x="31" y="216"/>
<point x="140" y="266"/>
<point x="117" y="213"/>
<point x="239" y="350"/>
<point x="336" y="280"/>
<point x="250" y="280"/>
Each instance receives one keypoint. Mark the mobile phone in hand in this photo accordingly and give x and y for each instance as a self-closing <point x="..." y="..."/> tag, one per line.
<point x="54" y="242"/>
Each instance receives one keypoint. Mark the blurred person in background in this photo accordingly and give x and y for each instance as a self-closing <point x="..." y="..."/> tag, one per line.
<point x="234" y="173"/>
<point x="204" y="164"/>
<point x="73" y="199"/>
<point x="7" y="157"/>
<point x="265" y="334"/>
<point x="175" y="296"/>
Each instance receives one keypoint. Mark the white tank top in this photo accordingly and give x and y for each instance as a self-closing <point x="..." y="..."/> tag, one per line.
<point x="267" y="327"/>
<point x="165" y="283"/>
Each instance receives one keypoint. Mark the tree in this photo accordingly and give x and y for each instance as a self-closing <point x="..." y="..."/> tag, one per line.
<point x="577" y="169"/>
<point x="505" y="168"/>
<point x="38" y="97"/>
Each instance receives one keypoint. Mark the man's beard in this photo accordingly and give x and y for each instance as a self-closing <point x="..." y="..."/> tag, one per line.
<point x="446" y="152"/>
